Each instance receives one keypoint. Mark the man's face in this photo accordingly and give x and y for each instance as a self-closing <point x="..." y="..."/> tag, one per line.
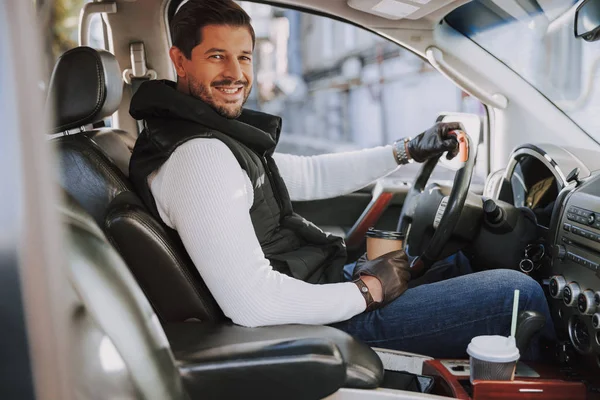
<point x="220" y="69"/>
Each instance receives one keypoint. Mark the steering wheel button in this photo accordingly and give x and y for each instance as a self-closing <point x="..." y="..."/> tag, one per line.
<point x="591" y="219"/>
<point x="566" y="227"/>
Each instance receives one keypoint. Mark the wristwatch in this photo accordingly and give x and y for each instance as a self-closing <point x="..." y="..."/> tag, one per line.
<point x="364" y="290"/>
<point x="401" y="151"/>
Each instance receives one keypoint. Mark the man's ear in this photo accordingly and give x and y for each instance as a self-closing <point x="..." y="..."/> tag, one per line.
<point x="178" y="59"/>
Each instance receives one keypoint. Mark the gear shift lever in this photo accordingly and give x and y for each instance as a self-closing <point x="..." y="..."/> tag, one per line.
<point x="528" y="324"/>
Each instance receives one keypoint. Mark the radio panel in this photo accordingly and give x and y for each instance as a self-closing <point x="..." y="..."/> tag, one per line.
<point x="575" y="285"/>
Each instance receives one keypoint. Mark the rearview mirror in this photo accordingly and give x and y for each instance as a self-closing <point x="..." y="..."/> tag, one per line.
<point x="587" y="21"/>
<point x="473" y="127"/>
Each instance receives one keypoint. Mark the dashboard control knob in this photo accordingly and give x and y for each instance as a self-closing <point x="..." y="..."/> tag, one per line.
<point x="597" y="299"/>
<point x="596" y="321"/>
<point x="557" y="285"/>
<point x="591" y="219"/>
<point x="493" y="213"/>
<point x="559" y="251"/>
<point x="571" y="294"/>
<point x="586" y="304"/>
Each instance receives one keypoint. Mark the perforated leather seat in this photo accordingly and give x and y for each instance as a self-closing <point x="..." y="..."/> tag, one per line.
<point x="86" y="85"/>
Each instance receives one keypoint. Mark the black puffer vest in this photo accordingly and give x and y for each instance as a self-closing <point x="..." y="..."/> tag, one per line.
<point x="293" y="245"/>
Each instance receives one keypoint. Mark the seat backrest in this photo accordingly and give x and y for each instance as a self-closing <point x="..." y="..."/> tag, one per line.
<point x="86" y="86"/>
<point x="84" y="91"/>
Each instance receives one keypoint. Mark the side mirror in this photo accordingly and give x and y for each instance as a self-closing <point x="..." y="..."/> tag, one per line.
<point x="473" y="127"/>
<point x="587" y="21"/>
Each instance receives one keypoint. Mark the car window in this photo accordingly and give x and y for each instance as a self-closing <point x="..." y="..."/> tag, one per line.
<point x="64" y="15"/>
<point x="563" y="68"/>
<point x="62" y="20"/>
<point x="339" y="87"/>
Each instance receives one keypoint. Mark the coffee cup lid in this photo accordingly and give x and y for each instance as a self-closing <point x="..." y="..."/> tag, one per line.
<point x="374" y="233"/>
<point x="493" y="348"/>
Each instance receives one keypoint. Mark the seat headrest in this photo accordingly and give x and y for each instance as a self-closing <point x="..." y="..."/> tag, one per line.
<point x="86" y="87"/>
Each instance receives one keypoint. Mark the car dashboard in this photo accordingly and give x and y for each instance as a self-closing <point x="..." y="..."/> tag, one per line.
<point x="562" y="188"/>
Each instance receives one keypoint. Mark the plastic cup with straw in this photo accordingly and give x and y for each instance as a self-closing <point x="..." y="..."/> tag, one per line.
<point x="495" y="357"/>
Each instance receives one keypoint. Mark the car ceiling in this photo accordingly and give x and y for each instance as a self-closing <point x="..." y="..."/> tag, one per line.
<point x="340" y="8"/>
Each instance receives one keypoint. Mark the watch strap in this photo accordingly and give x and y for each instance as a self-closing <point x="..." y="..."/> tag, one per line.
<point x="364" y="290"/>
<point x="401" y="151"/>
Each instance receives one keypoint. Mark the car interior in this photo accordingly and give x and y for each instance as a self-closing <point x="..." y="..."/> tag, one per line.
<point x="139" y="319"/>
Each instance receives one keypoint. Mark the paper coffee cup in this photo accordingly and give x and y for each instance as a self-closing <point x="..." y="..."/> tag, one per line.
<point x="493" y="358"/>
<point x="383" y="242"/>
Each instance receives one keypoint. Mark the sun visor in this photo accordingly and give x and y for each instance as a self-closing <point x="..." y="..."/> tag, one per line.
<point x="398" y="9"/>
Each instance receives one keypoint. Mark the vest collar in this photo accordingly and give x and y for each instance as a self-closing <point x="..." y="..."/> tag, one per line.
<point x="161" y="99"/>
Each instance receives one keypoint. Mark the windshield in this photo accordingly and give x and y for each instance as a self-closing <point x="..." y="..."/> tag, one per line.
<point x="535" y="39"/>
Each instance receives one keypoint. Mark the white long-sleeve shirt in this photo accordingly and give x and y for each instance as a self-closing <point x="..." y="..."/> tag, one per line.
<point x="202" y="192"/>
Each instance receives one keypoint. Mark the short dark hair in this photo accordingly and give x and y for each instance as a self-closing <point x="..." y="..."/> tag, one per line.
<point x="188" y="21"/>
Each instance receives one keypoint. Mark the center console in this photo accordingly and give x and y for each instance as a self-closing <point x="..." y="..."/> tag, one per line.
<point x="531" y="382"/>
<point x="575" y="282"/>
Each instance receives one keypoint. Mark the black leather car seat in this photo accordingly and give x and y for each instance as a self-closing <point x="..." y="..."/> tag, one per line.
<point x="154" y="253"/>
<point x="112" y="311"/>
<point x="94" y="162"/>
<point x="86" y="87"/>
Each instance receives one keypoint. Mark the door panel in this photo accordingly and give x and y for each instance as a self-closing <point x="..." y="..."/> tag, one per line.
<point x="341" y="213"/>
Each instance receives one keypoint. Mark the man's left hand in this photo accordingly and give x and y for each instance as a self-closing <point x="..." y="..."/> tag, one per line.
<point x="435" y="141"/>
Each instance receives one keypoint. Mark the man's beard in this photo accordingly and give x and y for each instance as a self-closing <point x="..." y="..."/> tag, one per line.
<point x="200" y="91"/>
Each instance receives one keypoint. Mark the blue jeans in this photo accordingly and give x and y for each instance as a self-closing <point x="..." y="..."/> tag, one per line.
<point x="439" y="318"/>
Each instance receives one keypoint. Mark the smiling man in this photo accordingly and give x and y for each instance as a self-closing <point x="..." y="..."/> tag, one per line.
<point x="208" y="168"/>
<point x="220" y="76"/>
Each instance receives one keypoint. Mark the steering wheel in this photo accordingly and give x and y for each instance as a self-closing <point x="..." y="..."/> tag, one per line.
<point x="451" y="206"/>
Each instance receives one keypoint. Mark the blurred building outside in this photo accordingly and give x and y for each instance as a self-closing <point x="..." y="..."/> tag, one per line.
<point x="340" y="87"/>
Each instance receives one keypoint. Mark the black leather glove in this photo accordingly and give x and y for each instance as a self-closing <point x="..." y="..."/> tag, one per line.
<point x="391" y="270"/>
<point x="434" y="141"/>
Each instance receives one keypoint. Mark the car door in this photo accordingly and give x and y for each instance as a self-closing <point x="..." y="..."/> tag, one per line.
<point x="340" y="88"/>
